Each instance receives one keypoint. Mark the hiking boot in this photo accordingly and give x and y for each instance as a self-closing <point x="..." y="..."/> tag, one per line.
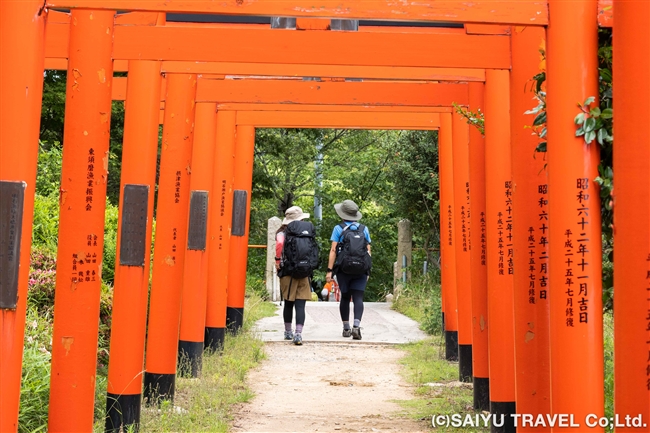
<point x="297" y="339"/>
<point x="347" y="332"/>
<point x="356" y="333"/>
<point x="288" y="335"/>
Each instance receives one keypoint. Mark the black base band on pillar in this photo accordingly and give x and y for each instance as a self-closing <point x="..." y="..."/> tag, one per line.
<point x="190" y="358"/>
<point x="443" y="322"/>
<point x="234" y="319"/>
<point x="122" y="412"/>
<point x="158" y="387"/>
<point x="481" y="393"/>
<point x="214" y="339"/>
<point x="451" y="345"/>
<point x="465" y="362"/>
<point x="502" y="419"/>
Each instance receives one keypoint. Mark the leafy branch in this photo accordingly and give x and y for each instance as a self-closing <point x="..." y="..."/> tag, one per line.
<point x="475" y="119"/>
<point x="593" y="123"/>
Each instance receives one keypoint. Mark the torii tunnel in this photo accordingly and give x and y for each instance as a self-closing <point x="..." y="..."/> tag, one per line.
<point x="521" y="241"/>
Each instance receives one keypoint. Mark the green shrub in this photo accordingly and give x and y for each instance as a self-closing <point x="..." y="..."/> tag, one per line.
<point x="42" y="280"/>
<point x="420" y="300"/>
<point x="256" y="285"/>
<point x="110" y="244"/>
<point x="35" y="384"/>
<point x="45" y="231"/>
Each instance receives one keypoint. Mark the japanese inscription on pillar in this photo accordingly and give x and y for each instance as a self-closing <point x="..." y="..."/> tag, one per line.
<point x="464" y="221"/>
<point x="12" y="196"/>
<point x="538" y="252"/>
<point x="222" y="213"/>
<point x="450" y="232"/>
<point x="483" y="240"/>
<point x="582" y="248"/>
<point x="508" y="233"/>
<point x="90" y="179"/>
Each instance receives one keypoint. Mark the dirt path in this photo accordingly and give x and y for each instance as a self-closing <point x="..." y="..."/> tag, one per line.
<point x="327" y="387"/>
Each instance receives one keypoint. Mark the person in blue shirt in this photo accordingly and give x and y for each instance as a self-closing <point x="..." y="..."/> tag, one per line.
<point x="352" y="286"/>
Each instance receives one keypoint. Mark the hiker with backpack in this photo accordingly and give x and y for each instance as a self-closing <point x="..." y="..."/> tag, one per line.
<point x="296" y="257"/>
<point x="350" y="262"/>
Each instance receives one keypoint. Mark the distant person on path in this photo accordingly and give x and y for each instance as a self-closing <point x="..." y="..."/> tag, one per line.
<point x="350" y="262"/>
<point x="296" y="257"/>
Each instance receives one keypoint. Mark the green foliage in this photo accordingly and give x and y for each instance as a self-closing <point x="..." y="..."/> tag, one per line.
<point x="475" y="119"/>
<point x="425" y="365"/>
<point x="48" y="178"/>
<point x="413" y="171"/>
<point x="35" y="382"/>
<point x="45" y="230"/>
<point x="420" y="300"/>
<point x="608" y="334"/>
<point x="110" y="243"/>
<point x="42" y="281"/>
<point x="354" y="166"/>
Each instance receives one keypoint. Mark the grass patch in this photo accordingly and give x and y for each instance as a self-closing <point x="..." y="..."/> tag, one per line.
<point x="205" y="404"/>
<point x="425" y="363"/>
<point x="419" y="299"/>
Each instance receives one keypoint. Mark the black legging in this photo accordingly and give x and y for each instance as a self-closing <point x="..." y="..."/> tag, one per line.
<point x="300" y="311"/>
<point x="357" y="298"/>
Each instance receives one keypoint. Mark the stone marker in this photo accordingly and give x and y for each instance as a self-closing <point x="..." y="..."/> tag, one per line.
<point x="271" y="276"/>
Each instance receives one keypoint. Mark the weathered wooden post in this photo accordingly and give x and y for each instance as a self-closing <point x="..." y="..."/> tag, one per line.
<point x="272" y="280"/>
<point x="404" y="250"/>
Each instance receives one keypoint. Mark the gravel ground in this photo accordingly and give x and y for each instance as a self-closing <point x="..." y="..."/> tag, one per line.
<point x="327" y="387"/>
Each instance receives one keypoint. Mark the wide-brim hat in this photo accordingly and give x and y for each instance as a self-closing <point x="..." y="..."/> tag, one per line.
<point x="348" y="210"/>
<point x="294" y="213"/>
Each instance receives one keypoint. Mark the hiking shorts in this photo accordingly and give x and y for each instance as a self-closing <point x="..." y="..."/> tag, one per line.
<point x="300" y="288"/>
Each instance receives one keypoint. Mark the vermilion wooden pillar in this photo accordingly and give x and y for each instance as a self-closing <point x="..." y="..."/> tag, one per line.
<point x="447" y="251"/>
<point x="500" y="246"/>
<point x="220" y="225"/>
<point x="531" y="231"/>
<point x="576" y="320"/>
<point x="243" y="180"/>
<point x="460" y="152"/>
<point x="22" y="39"/>
<point x="81" y="221"/>
<point x="195" y="276"/>
<point x="131" y="291"/>
<point x="171" y="238"/>
<point x="478" y="255"/>
<point x="632" y="210"/>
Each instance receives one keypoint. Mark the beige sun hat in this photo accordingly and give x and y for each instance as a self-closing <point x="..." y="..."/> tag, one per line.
<point x="348" y="210"/>
<point x="294" y="213"/>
